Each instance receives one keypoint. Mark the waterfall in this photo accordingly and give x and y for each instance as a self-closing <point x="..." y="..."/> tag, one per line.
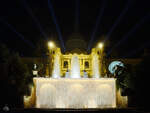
<point x="95" y="67"/>
<point x="75" y="93"/>
<point x="75" y="67"/>
<point x="56" y="69"/>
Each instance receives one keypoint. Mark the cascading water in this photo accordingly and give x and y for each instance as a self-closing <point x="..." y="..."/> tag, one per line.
<point x="56" y="70"/>
<point x="75" y="93"/>
<point x="95" y="67"/>
<point x="67" y="74"/>
<point x="75" y="67"/>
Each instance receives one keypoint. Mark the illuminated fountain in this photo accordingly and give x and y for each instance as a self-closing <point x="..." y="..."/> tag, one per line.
<point x="75" y="93"/>
<point x="75" y="67"/>
<point x="56" y="70"/>
<point x="95" y="67"/>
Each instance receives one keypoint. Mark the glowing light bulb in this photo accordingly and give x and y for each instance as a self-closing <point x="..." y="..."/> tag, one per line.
<point x="100" y="45"/>
<point x="51" y="44"/>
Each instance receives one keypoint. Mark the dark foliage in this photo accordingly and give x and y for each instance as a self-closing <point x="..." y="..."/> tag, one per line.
<point x="14" y="78"/>
<point x="142" y="83"/>
<point x="134" y="82"/>
<point x="124" y="77"/>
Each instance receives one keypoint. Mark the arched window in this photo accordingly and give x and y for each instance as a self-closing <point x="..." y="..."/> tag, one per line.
<point x="65" y="64"/>
<point x="86" y="64"/>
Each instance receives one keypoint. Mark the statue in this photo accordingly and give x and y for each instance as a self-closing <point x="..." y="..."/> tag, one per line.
<point x="35" y="67"/>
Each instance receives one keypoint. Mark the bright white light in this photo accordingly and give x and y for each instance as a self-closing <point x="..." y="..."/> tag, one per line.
<point x="35" y="72"/>
<point x="100" y="45"/>
<point x="51" y="44"/>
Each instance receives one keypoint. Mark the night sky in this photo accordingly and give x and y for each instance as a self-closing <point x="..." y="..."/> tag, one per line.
<point x="24" y="22"/>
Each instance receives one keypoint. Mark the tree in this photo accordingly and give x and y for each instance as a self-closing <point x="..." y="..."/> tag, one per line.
<point x="142" y="82"/>
<point x="4" y="53"/>
<point x="4" y="56"/>
<point x="134" y="80"/>
<point x="18" y="73"/>
<point x="42" y="48"/>
<point x="14" y="78"/>
<point x="124" y="77"/>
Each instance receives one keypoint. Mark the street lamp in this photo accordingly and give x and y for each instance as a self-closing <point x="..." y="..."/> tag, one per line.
<point x="100" y="45"/>
<point x="51" y="45"/>
<point x="51" y="48"/>
<point x="35" y="71"/>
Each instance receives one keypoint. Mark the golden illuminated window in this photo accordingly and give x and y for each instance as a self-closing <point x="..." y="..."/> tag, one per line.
<point x="65" y="64"/>
<point x="86" y="64"/>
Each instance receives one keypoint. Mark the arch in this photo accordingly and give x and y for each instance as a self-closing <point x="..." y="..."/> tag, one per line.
<point x="86" y="64"/>
<point x="104" y="95"/>
<point x="65" y="64"/>
<point x="77" y="100"/>
<point x="47" y="96"/>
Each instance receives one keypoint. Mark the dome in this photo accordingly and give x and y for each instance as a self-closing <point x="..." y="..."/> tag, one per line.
<point x="76" y="42"/>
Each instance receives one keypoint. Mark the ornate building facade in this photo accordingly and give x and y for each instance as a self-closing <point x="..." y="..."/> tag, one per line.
<point x="85" y="61"/>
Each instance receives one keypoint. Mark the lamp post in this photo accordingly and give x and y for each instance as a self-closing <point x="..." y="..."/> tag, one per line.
<point x="101" y="48"/>
<point x="51" y="47"/>
<point x="35" y="71"/>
